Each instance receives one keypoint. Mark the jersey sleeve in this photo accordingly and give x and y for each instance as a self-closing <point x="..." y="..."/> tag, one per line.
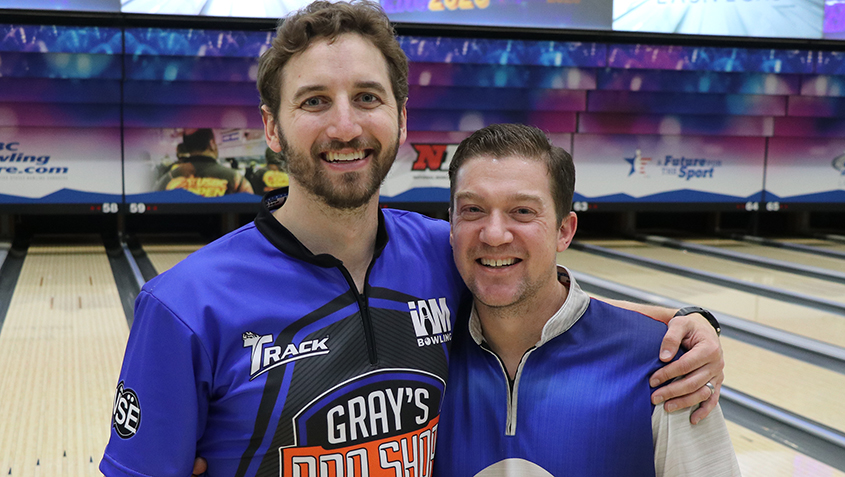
<point x="161" y="398"/>
<point x="682" y="449"/>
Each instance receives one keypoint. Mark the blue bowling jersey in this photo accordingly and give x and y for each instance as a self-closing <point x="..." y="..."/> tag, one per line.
<point x="579" y="406"/>
<point x="266" y="360"/>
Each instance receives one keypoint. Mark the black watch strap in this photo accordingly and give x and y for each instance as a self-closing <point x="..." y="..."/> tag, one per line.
<point x="688" y="310"/>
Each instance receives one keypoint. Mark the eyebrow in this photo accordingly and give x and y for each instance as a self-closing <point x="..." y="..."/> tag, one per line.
<point x="518" y="197"/>
<point x="366" y="85"/>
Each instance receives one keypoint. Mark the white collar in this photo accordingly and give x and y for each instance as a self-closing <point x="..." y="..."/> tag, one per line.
<point x="567" y="315"/>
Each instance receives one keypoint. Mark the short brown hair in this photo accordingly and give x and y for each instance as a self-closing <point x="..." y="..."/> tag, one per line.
<point x="505" y="140"/>
<point x="327" y="20"/>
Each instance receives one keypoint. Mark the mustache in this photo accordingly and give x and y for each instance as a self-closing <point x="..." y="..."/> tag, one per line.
<point x="335" y="145"/>
<point x="481" y="250"/>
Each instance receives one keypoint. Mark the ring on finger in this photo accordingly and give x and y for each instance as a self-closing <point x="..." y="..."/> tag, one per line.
<point x="711" y="388"/>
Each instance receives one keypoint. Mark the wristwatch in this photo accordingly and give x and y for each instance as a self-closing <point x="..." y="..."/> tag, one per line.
<point x="688" y="310"/>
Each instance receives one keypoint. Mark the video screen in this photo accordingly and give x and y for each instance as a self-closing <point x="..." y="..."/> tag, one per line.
<point x="69" y="5"/>
<point x="759" y="18"/>
<point x="197" y="165"/>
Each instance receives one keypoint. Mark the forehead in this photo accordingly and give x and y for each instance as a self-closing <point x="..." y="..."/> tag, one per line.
<point x="511" y="177"/>
<point x="348" y="59"/>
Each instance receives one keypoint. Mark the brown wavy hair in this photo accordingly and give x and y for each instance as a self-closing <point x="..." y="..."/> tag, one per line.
<point x="327" y="20"/>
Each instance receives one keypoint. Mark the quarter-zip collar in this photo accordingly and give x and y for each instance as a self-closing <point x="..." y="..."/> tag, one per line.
<point x="569" y="313"/>
<point x="566" y="316"/>
<point x="287" y="243"/>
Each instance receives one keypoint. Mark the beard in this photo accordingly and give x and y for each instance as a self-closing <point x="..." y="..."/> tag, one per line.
<point x="351" y="190"/>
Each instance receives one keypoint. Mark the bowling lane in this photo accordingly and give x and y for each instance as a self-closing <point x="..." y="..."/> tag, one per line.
<point x="749" y="369"/>
<point x="822" y="244"/>
<point x="165" y="256"/>
<point x="760" y="456"/>
<point x="61" y="347"/>
<point x="793" y="256"/>
<point x="749" y="273"/>
<point x="796" y="319"/>
<point x="811" y="391"/>
<point x="766" y="375"/>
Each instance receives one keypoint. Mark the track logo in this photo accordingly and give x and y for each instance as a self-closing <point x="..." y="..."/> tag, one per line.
<point x="681" y="167"/>
<point x="126" y="412"/>
<point x="433" y="157"/>
<point x="432" y="321"/>
<point x="265" y="356"/>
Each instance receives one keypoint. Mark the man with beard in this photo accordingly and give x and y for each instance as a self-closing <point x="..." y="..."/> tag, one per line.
<point x="315" y="340"/>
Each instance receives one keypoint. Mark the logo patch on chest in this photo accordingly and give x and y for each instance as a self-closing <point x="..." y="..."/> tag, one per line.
<point x="432" y="321"/>
<point x="264" y="355"/>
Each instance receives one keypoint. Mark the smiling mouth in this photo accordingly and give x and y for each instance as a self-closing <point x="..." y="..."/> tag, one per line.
<point x="498" y="262"/>
<point x="343" y="157"/>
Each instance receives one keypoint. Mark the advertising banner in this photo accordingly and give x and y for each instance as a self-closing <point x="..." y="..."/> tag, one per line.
<point x="681" y="169"/>
<point x="179" y="166"/>
<point x="805" y="170"/>
<point x="421" y="170"/>
<point x="60" y="165"/>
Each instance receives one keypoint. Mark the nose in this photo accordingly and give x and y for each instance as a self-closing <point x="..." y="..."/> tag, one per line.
<point x="344" y="124"/>
<point x="495" y="230"/>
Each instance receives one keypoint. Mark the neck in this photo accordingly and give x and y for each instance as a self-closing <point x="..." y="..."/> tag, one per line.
<point x="512" y="330"/>
<point x="348" y="235"/>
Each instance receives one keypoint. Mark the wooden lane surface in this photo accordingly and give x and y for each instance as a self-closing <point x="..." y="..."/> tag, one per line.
<point x="823" y="244"/>
<point x="800" y="320"/>
<point x="749" y="273"/>
<point x="61" y="348"/>
<point x="793" y="256"/>
<point x="165" y="256"/>
<point x="758" y="455"/>
<point x="813" y="391"/>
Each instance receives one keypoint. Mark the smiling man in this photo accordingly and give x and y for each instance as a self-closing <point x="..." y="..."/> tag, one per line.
<point x="315" y="340"/>
<point x="544" y="380"/>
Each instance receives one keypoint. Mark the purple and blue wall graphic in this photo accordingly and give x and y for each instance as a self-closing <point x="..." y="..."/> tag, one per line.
<point x="702" y="58"/>
<point x="834" y="19"/>
<point x="717" y="107"/>
<point x="675" y="124"/>
<point x="502" y="52"/>
<point x="697" y="81"/>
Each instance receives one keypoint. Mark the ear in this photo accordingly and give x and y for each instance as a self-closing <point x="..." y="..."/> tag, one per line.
<point x="403" y="122"/>
<point x="270" y="131"/>
<point x="451" y="225"/>
<point x="567" y="231"/>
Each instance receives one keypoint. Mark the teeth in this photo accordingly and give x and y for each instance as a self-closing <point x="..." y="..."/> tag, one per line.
<point x="499" y="262"/>
<point x="345" y="156"/>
